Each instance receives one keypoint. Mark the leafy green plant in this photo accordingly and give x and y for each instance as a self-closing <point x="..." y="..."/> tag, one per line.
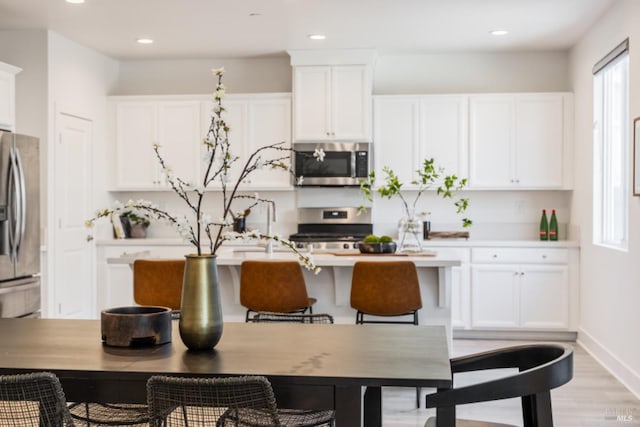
<point x="137" y="218"/>
<point x="428" y="176"/>
<point x="371" y="238"/>
<point x="385" y="239"/>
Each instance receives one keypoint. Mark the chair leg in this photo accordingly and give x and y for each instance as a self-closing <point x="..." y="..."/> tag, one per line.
<point x="536" y="410"/>
<point x="246" y="316"/>
<point x="418" y="390"/>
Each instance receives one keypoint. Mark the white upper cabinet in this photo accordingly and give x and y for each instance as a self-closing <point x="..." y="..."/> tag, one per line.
<point x="332" y="102"/>
<point x="8" y="96"/>
<point x="396" y="135"/>
<point x="270" y="123"/>
<point x="140" y="123"/>
<point x="256" y="121"/>
<point x="411" y="128"/>
<point x="443" y="132"/>
<point x="520" y="141"/>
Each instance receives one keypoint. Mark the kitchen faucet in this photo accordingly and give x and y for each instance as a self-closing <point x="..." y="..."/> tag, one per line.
<point x="271" y="217"/>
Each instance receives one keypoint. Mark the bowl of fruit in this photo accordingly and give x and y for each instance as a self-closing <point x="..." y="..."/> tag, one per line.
<point x="373" y="244"/>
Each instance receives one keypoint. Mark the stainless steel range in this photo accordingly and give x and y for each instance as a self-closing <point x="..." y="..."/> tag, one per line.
<point x="331" y="228"/>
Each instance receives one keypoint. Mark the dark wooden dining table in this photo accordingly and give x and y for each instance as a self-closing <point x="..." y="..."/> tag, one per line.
<point x="312" y="366"/>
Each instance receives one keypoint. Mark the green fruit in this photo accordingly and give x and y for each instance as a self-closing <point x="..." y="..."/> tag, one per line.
<point x="371" y="238"/>
<point x="386" y="239"/>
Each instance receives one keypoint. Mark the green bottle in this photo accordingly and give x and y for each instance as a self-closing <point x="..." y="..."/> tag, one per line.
<point x="553" y="226"/>
<point x="544" y="226"/>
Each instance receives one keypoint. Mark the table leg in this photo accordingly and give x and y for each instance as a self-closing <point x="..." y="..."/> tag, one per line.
<point x="373" y="407"/>
<point x="348" y="400"/>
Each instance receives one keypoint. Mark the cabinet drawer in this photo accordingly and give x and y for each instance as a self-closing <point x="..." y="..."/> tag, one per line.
<point x="463" y="253"/>
<point x="520" y="255"/>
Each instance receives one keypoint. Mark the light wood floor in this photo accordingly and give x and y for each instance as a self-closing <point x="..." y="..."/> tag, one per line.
<point x="593" y="398"/>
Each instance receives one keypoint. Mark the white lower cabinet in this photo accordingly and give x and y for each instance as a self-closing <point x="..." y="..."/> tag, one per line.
<point x="517" y="288"/>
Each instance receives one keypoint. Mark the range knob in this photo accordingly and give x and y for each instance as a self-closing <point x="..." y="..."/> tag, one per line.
<point x="345" y="246"/>
<point x="299" y="245"/>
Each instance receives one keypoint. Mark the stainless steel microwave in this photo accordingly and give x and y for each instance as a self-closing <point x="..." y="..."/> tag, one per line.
<point x="345" y="163"/>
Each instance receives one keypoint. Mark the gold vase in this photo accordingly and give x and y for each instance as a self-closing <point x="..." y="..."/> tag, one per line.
<point x="201" y="314"/>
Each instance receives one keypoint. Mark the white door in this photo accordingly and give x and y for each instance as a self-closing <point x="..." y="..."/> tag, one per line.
<point x="491" y="136"/>
<point x="270" y="123"/>
<point x="495" y="296"/>
<point x="312" y="99"/>
<point x="72" y="288"/>
<point x="443" y="132"/>
<point x="545" y="297"/>
<point x="136" y="163"/>
<point x="180" y="138"/>
<point x="351" y="102"/>
<point x="539" y="139"/>
<point x="396" y="136"/>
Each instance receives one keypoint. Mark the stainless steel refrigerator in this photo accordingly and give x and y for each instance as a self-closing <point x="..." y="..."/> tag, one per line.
<point x="19" y="225"/>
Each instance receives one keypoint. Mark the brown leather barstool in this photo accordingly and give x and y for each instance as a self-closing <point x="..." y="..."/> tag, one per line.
<point x="158" y="282"/>
<point x="275" y="286"/>
<point x="386" y="289"/>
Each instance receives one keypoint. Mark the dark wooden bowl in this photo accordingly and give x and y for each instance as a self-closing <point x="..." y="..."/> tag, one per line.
<point x="377" y="248"/>
<point x="136" y="326"/>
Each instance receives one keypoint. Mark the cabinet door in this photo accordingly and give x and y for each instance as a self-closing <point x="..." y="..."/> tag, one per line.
<point x="443" y="132"/>
<point x="136" y="162"/>
<point x="396" y="136"/>
<point x="544" y="297"/>
<point x="491" y="136"/>
<point x="270" y="123"/>
<point x="495" y="297"/>
<point x="350" y="102"/>
<point x="312" y="103"/>
<point x="236" y="117"/>
<point x="7" y="100"/>
<point x="180" y="138"/>
<point x="460" y="297"/>
<point x="539" y="140"/>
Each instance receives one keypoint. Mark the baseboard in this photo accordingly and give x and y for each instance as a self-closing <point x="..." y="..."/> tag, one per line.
<point x="516" y="335"/>
<point x="609" y="361"/>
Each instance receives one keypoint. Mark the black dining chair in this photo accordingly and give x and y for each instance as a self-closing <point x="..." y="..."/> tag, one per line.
<point x="233" y="401"/>
<point x="33" y="399"/>
<point x="541" y="367"/>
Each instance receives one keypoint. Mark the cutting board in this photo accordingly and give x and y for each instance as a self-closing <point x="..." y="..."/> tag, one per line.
<point x="358" y="253"/>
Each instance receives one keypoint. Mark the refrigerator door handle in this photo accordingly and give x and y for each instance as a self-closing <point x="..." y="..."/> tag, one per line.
<point x="22" y="203"/>
<point x="13" y="203"/>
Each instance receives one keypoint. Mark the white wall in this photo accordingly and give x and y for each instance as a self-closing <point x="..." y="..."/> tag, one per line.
<point x="471" y="73"/>
<point x="79" y="80"/>
<point x="610" y="291"/>
<point x="31" y="91"/>
<point x="193" y="76"/>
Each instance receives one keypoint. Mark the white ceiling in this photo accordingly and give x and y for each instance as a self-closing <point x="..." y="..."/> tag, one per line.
<point x="224" y="28"/>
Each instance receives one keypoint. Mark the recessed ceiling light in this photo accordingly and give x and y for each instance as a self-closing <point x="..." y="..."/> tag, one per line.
<point x="75" y="1"/>
<point x="255" y="14"/>
<point x="499" y="32"/>
<point x="144" y="40"/>
<point x="317" y="36"/>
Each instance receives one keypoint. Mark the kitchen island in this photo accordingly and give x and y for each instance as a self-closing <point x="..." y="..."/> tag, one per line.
<point x="331" y="286"/>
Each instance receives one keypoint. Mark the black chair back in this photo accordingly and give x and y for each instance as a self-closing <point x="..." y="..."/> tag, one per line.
<point x="542" y="367"/>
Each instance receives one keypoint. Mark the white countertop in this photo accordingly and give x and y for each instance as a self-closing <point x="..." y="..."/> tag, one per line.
<point x="230" y="257"/>
<point x="435" y="243"/>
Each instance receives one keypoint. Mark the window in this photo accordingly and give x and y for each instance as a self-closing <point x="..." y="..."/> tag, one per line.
<point x="611" y="149"/>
